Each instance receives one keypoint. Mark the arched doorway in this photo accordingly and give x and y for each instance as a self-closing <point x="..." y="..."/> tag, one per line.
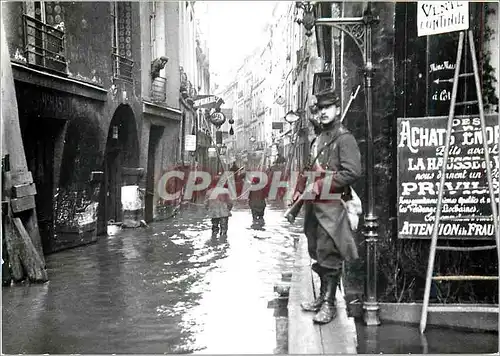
<point x="122" y="150"/>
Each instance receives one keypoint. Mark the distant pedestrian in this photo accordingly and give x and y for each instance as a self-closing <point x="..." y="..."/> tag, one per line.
<point x="257" y="203"/>
<point x="219" y="205"/>
<point x="234" y="168"/>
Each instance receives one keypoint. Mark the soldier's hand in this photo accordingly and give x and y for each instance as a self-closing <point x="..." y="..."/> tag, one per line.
<point x="317" y="187"/>
<point x="296" y="196"/>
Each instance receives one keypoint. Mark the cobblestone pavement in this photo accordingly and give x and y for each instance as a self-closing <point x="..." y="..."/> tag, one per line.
<point x="168" y="288"/>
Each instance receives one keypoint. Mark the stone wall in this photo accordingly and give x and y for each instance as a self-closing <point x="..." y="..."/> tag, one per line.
<point x="65" y="118"/>
<point x="383" y="127"/>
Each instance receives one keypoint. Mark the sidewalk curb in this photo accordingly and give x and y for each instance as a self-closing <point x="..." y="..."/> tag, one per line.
<point x="304" y="337"/>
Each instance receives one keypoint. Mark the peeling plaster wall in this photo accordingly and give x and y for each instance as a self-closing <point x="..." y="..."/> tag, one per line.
<point x="73" y="129"/>
<point x="165" y="159"/>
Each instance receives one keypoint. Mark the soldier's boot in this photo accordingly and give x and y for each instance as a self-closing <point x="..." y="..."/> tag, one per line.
<point x="328" y="310"/>
<point x="315" y="305"/>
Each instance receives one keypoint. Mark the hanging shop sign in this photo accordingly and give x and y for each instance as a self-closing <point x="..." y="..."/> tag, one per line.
<point x="207" y="102"/>
<point x="434" y="17"/>
<point x="190" y="143"/>
<point x="421" y="143"/>
<point x="217" y="118"/>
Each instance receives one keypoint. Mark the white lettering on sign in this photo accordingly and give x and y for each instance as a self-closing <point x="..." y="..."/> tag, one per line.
<point x="415" y="137"/>
<point x="434" y="17"/>
<point x="208" y="102"/>
<point x="467" y="197"/>
<point x="446" y="65"/>
<point x="204" y="101"/>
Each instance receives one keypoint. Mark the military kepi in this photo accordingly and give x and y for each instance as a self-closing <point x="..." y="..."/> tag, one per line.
<point x="327" y="97"/>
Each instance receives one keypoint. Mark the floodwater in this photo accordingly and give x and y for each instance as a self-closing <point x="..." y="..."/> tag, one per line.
<point x="392" y="338"/>
<point x="168" y="288"/>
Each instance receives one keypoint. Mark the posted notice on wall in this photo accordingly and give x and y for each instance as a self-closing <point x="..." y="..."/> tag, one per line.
<point x="434" y="17"/>
<point x="190" y="143"/>
<point x="420" y="151"/>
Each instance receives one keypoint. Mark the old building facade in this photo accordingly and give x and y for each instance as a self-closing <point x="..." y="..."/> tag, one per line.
<point x="405" y="85"/>
<point x="101" y="115"/>
<point x="274" y="79"/>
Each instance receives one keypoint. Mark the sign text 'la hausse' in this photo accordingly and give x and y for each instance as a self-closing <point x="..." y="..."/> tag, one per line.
<point x="421" y="143"/>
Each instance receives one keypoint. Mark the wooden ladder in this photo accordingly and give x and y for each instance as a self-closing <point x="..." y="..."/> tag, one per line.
<point x="494" y="215"/>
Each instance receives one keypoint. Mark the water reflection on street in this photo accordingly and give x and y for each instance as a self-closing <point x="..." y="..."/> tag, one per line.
<point x="392" y="338"/>
<point x="169" y="288"/>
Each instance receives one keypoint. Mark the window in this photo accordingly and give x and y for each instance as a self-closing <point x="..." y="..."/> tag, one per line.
<point x="43" y="32"/>
<point x="159" y="85"/>
<point x="122" y="40"/>
<point x="152" y="28"/>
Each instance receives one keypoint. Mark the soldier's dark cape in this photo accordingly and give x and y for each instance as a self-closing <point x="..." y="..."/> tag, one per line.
<point x="343" y="157"/>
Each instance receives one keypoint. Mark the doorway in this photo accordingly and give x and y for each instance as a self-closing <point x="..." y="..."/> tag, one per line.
<point x="39" y="140"/>
<point x="155" y="134"/>
<point x="122" y="150"/>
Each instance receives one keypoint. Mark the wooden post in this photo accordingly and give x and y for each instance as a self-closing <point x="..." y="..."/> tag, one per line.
<point x="25" y="255"/>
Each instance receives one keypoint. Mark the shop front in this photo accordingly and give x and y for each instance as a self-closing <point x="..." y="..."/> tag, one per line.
<point x="411" y="89"/>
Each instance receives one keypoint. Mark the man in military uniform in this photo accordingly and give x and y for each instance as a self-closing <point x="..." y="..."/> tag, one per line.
<point x="334" y="153"/>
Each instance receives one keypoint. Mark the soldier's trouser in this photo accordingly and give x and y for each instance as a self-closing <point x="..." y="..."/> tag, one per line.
<point x="322" y="248"/>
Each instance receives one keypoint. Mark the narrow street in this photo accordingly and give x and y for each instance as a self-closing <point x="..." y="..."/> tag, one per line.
<point x="376" y="121"/>
<point x="168" y="288"/>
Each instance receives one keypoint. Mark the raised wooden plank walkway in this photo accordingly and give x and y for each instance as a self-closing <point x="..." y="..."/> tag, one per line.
<point x="305" y="337"/>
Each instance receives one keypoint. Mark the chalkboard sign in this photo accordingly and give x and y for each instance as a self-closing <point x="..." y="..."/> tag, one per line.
<point x="420" y="149"/>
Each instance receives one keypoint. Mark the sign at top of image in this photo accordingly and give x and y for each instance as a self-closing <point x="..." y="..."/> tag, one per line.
<point x="434" y="17"/>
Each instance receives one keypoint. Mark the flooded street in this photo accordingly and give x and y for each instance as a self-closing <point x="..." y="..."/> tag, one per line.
<point x="169" y="288"/>
<point x="392" y="338"/>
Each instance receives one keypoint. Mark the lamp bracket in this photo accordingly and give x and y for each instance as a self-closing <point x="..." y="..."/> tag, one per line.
<point x="353" y="27"/>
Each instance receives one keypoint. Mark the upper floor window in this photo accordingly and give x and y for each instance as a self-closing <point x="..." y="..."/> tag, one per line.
<point x="152" y="28"/>
<point x="121" y="13"/>
<point x="43" y="34"/>
<point x="159" y="85"/>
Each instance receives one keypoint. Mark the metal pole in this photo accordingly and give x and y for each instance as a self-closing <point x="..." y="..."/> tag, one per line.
<point x="370" y="304"/>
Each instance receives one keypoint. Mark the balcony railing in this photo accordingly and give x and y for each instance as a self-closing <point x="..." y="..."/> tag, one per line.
<point x="159" y="90"/>
<point x="44" y="45"/>
<point x="122" y="67"/>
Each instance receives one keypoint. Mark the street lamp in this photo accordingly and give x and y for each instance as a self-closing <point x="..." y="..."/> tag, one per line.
<point x="360" y="30"/>
<point x="307" y="16"/>
<point x="292" y="116"/>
